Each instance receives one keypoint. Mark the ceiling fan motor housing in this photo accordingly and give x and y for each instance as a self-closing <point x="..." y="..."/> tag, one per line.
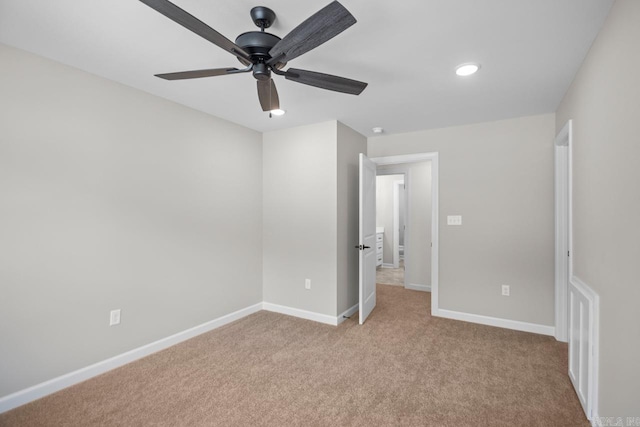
<point x="258" y="44"/>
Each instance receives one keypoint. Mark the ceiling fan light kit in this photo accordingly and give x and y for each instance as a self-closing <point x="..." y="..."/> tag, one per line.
<point x="263" y="53"/>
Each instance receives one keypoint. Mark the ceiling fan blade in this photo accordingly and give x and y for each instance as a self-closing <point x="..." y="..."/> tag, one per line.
<point x="325" y="81"/>
<point x="195" y="25"/>
<point x="268" y="95"/>
<point x="325" y="24"/>
<point x="195" y="74"/>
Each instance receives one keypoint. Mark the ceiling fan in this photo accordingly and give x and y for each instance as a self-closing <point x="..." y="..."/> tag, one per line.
<point x="263" y="53"/>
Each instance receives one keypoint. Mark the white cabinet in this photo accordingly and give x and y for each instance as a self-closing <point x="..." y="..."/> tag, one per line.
<point x="379" y="248"/>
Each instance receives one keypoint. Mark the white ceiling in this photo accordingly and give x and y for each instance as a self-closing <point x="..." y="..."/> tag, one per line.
<point x="405" y="49"/>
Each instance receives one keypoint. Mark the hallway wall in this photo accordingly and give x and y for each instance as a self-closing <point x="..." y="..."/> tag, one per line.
<point x="499" y="177"/>
<point x="603" y="103"/>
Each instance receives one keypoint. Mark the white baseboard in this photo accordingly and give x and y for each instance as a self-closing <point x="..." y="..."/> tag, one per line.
<point x="495" y="321"/>
<point x="56" y="384"/>
<point x="303" y="314"/>
<point x="350" y="312"/>
<point x="418" y="287"/>
<point x="310" y="315"/>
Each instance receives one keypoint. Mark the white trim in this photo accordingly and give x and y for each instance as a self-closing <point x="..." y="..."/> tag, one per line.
<point x="563" y="184"/>
<point x="407" y="229"/>
<point x="595" y="352"/>
<point x="414" y="158"/>
<point x="435" y="239"/>
<point x="593" y="336"/>
<point x="396" y="222"/>
<point x="495" y="321"/>
<point x="405" y="158"/>
<point x="418" y="287"/>
<point x="303" y="314"/>
<point x="348" y="313"/>
<point x="387" y="265"/>
<point x="56" y="384"/>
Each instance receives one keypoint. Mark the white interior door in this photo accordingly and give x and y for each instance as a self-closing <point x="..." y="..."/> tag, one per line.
<point x="563" y="221"/>
<point x="367" y="243"/>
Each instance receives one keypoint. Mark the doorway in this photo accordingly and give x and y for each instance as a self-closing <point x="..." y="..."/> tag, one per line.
<point x="390" y="228"/>
<point x="563" y="220"/>
<point x="421" y="238"/>
<point x="368" y="238"/>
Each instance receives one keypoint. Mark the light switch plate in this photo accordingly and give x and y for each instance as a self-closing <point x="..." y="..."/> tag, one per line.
<point x="454" y="220"/>
<point x="114" y="317"/>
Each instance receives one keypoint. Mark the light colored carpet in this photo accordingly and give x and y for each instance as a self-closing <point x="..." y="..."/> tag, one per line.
<point x="403" y="367"/>
<point x="391" y="276"/>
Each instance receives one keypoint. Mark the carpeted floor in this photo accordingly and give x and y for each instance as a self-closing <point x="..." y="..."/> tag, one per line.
<point x="402" y="367"/>
<point x="390" y="276"/>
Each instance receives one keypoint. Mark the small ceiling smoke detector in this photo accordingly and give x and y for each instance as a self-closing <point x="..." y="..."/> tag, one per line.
<point x="464" y="70"/>
<point x="377" y="130"/>
<point x="277" y="112"/>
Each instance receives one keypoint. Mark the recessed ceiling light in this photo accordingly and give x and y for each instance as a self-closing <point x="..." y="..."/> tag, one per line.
<point x="277" y="112"/>
<point x="377" y="130"/>
<point x="464" y="70"/>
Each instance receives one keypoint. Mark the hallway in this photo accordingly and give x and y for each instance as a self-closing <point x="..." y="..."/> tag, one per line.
<point x="391" y="276"/>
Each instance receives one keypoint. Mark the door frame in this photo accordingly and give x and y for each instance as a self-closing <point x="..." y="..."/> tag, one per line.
<point x="563" y="183"/>
<point x="396" y="223"/>
<point x="415" y="158"/>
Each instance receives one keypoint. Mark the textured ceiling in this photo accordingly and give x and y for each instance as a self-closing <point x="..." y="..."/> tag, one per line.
<point x="406" y="50"/>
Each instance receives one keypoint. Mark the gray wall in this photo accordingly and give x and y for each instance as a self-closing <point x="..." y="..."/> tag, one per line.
<point x="603" y="103"/>
<point x="113" y="198"/>
<point x="350" y="145"/>
<point x="310" y="217"/>
<point x="300" y="217"/>
<point x="419" y="252"/>
<point x="499" y="177"/>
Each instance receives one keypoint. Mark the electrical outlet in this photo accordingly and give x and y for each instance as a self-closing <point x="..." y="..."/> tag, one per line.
<point x="114" y="317"/>
<point x="506" y="290"/>
<point x="307" y="283"/>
